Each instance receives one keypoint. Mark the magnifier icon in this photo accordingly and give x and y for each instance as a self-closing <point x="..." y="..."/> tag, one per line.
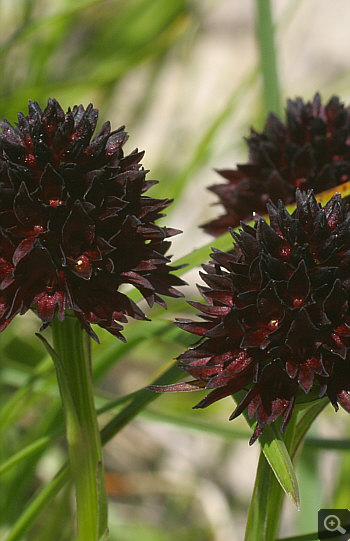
<point x="332" y="524"/>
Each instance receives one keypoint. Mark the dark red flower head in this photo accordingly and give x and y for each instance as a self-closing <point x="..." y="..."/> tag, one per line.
<point x="74" y="223"/>
<point x="276" y="320"/>
<point x="311" y="150"/>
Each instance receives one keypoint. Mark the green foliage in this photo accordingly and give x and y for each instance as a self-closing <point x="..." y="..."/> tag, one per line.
<point x="95" y="50"/>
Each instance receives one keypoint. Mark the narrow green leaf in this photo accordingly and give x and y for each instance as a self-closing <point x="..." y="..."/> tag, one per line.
<point x="39" y="24"/>
<point x="277" y="465"/>
<point x="305" y="419"/>
<point x="192" y="422"/>
<point x="142" y="399"/>
<point x="279" y="460"/>
<point x="265" y="35"/>
<point x="13" y="408"/>
<point x="139" y="399"/>
<point x="201" y="255"/>
<point x="202" y="151"/>
<point x="25" y="396"/>
<point x="221" y="430"/>
<point x="28" y="451"/>
<point x="114" y="351"/>
<point x="276" y="454"/>
<point x="329" y="444"/>
<point x="45" y="441"/>
<point x="38" y="504"/>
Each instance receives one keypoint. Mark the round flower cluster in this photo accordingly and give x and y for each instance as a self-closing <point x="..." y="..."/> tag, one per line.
<point x="311" y="150"/>
<point x="276" y="321"/>
<point x="74" y="223"/>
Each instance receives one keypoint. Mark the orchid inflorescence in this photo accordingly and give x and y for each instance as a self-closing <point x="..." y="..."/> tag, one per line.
<point x="74" y="223"/>
<point x="276" y="322"/>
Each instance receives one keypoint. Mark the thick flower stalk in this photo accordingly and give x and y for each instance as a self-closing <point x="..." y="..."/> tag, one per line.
<point x="74" y="223"/>
<point x="276" y="322"/>
<point x="311" y="150"/>
<point x="74" y="226"/>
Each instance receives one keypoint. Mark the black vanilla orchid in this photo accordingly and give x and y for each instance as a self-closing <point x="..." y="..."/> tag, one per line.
<point x="311" y="150"/>
<point x="74" y="223"/>
<point x="276" y="322"/>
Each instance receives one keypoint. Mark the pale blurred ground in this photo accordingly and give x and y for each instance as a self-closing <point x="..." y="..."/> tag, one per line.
<point x="313" y="55"/>
<point x="168" y="478"/>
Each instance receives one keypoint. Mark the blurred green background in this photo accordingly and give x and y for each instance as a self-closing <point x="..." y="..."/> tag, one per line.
<point x="184" y="77"/>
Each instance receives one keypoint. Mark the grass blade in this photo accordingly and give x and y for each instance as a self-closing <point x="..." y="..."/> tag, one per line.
<point x="38" y="504"/>
<point x="141" y="400"/>
<point x="277" y="456"/>
<point x="41" y="501"/>
<point x="202" y="153"/>
<point x="275" y="472"/>
<point x="202" y="425"/>
<point x="306" y="418"/>
<point x="275" y="451"/>
<point x="265" y="36"/>
<point x="27" y="451"/>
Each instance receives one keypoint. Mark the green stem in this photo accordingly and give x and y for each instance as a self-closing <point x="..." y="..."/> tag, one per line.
<point x="73" y="368"/>
<point x="265" y="35"/>
<point x="256" y="524"/>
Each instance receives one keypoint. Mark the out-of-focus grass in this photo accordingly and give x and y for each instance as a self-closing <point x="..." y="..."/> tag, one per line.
<point x="80" y="51"/>
<point x="87" y="51"/>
